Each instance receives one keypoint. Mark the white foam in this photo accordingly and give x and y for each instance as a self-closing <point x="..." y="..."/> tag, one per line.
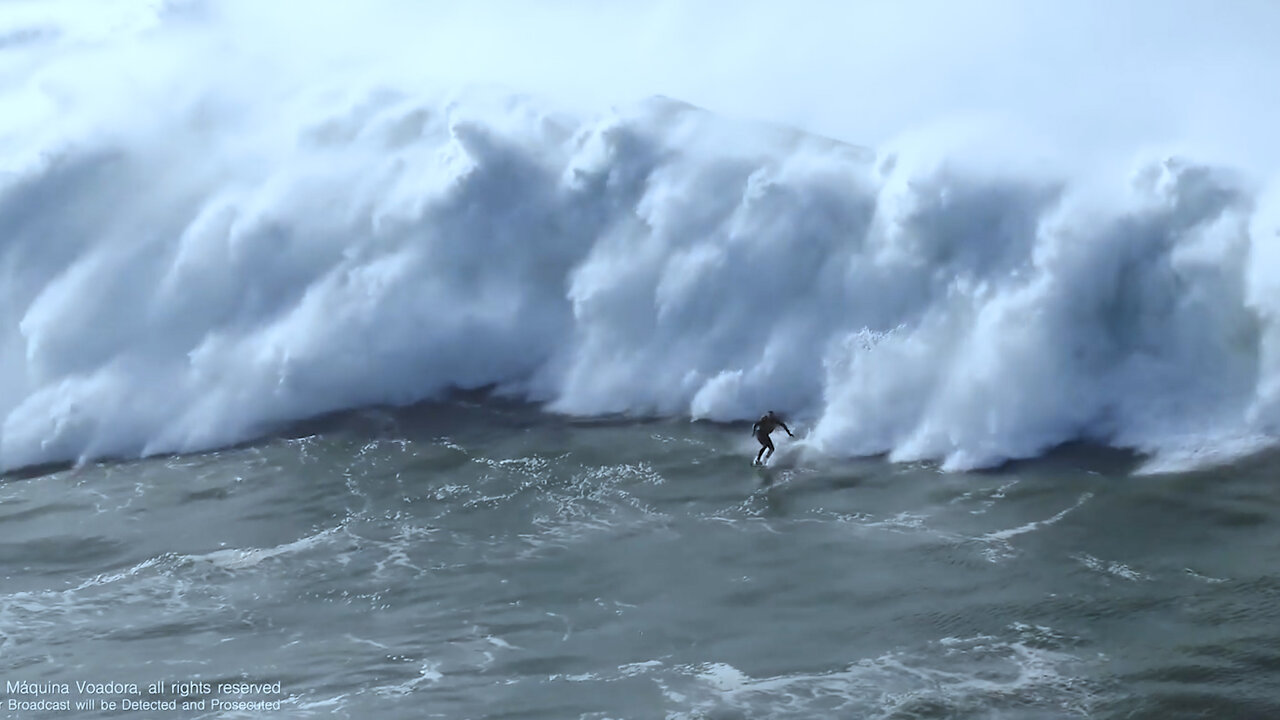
<point x="243" y="558"/>
<point x="1117" y="569"/>
<point x="986" y="672"/>
<point x="267" y="245"/>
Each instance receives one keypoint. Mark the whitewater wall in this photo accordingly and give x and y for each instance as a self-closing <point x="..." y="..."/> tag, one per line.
<point x="197" y="266"/>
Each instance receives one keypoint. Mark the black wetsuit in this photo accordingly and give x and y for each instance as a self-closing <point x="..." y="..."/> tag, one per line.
<point x="765" y="425"/>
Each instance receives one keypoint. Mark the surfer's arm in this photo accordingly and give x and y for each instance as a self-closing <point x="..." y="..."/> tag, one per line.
<point x="784" y="427"/>
<point x="755" y="427"/>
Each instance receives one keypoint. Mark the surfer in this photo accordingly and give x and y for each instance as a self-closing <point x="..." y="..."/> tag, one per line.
<point x="765" y="425"/>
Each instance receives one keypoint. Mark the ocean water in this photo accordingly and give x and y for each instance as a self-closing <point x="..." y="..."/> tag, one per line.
<point x="483" y="559"/>
<point x="405" y="367"/>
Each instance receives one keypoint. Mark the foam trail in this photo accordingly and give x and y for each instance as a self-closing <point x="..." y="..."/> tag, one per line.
<point x="247" y="256"/>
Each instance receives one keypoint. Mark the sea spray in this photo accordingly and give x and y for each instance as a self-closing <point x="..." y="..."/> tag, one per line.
<point x="215" y="270"/>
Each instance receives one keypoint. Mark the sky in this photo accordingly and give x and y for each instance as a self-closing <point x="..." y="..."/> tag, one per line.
<point x="1085" y="75"/>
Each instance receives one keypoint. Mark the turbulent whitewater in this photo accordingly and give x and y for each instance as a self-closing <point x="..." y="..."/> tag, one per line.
<point x="186" y="266"/>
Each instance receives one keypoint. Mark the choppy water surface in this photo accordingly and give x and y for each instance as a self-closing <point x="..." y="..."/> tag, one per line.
<point x="492" y="561"/>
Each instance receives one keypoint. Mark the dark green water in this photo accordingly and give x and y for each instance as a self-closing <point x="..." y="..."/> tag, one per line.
<point x="486" y="561"/>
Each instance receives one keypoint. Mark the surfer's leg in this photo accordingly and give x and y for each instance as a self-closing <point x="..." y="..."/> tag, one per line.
<point x="765" y="444"/>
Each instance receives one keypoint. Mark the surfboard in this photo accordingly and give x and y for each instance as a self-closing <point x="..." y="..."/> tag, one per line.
<point x="765" y="472"/>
